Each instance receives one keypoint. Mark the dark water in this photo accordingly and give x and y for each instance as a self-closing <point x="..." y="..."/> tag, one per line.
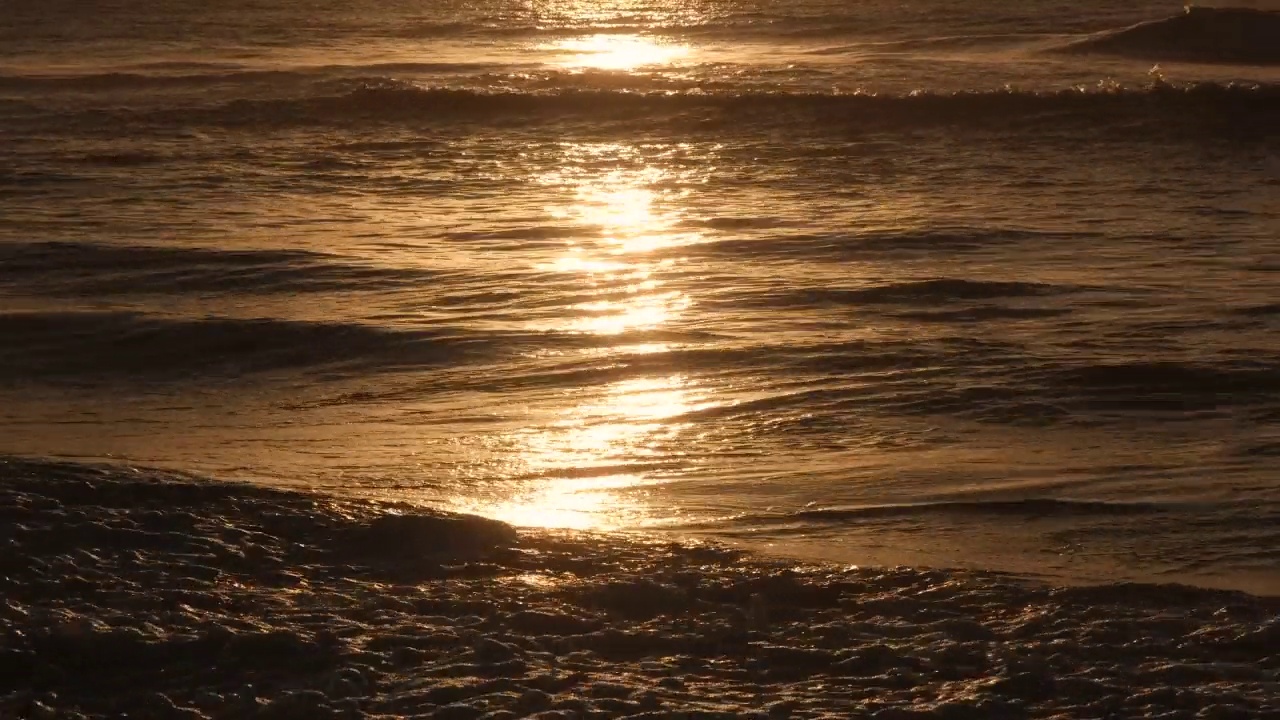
<point x="872" y="282"/>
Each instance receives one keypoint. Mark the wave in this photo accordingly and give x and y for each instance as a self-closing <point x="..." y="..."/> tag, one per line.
<point x="95" y="345"/>
<point x="79" y="269"/>
<point x="922" y="44"/>
<point x="1202" y="34"/>
<point x="984" y="313"/>
<point x="219" y="76"/>
<point x="139" y="81"/>
<point x="999" y="383"/>
<point x="930" y="292"/>
<point x="936" y="300"/>
<point x="815" y="519"/>
<point x="1235" y="107"/>
<point x="1038" y="391"/>
<point x="840" y="246"/>
<point x="735" y="26"/>
<point x="46" y="345"/>
<point x="1174" y="384"/>
<point x="1029" y="508"/>
<point x="1265" y="310"/>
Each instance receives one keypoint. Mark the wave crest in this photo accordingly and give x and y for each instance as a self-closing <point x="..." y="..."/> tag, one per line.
<point x="1219" y="35"/>
<point x="1238" y="106"/>
<point x="81" y="344"/>
<point x="71" y="269"/>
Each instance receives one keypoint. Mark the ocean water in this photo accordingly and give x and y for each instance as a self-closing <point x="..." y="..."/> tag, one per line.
<point x="939" y="284"/>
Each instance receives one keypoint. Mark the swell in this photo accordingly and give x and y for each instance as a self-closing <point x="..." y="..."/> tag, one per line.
<point x="1017" y="388"/>
<point x="123" y="80"/>
<point x="1189" y="385"/>
<point x="839" y="246"/>
<point x="1239" y="107"/>
<point x="48" y="345"/>
<point x="139" y="81"/>
<point x="764" y="23"/>
<point x="1201" y="34"/>
<point x="734" y="26"/>
<point x="98" y="345"/>
<point x="86" y="269"/>
<point x="966" y="378"/>
<point x="989" y="382"/>
<point x="1259" y="311"/>
<point x="928" y="292"/>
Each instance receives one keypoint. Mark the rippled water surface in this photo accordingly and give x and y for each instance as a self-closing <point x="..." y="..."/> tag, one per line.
<point x="871" y="282"/>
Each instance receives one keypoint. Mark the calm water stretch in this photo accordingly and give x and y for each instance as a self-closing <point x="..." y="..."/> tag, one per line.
<point x="931" y="283"/>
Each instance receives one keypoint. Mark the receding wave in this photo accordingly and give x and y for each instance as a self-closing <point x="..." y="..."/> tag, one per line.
<point x="76" y="269"/>
<point x="1239" y="107"/>
<point x="1022" y="507"/>
<point x="1202" y="34"/>
<point x="1026" y="509"/>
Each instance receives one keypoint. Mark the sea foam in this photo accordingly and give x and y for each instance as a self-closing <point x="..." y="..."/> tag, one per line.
<point x="133" y="592"/>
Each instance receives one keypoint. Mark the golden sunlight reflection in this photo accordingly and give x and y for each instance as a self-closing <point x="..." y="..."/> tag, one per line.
<point x="580" y="463"/>
<point x="628" y="220"/>
<point x="612" y="318"/>
<point x="590" y="459"/>
<point x="616" y="52"/>
<point x="582" y="504"/>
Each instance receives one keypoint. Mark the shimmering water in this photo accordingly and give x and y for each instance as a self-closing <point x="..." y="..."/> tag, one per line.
<point x="875" y="282"/>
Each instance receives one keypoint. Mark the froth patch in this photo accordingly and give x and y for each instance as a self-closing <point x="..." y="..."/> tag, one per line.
<point x="131" y="593"/>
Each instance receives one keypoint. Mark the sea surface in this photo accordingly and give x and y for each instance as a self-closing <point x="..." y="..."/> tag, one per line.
<point x="981" y="285"/>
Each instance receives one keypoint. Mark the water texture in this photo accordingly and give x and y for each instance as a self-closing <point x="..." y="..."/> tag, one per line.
<point x="928" y="283"/>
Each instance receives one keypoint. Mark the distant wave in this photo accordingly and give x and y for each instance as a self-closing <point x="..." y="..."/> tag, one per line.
<point x="1218" y="35"/>
<point x="122" y="344"/>
<point x="876" y="243"/>
<point x="1266" y="310"/>
<point x="941" y="300"/>
<point x="1237" y="107"/>
<point x="1036" y="391"/>
<point x="75" y="269"/>
<point x="730" y="26"/>
<point x="197" y="76"/>
<point x="1173" y="384"/>
<point x="933" y="290"/>
<point x="97" y="345"/>
<point x="140" y="81"/>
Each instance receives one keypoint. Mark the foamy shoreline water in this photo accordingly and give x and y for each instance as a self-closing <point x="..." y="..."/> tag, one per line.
<point x="151" y="595"/>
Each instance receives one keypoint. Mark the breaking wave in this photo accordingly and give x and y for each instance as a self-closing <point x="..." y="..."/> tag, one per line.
<point x="1218" y="35"/>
